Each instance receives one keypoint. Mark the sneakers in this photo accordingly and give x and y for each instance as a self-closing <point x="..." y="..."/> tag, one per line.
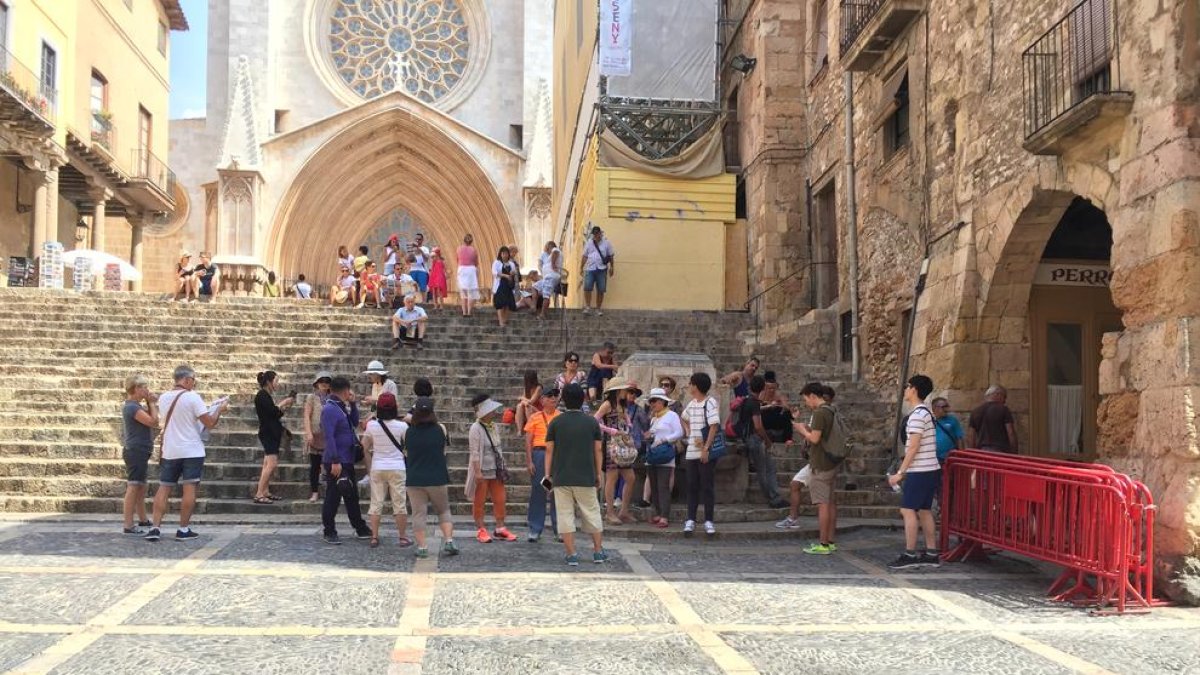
<point x="133" y="530"/>
<point x="599" y="557"/>
<point x="642" y="504"/>
<point x="362" y="534"/>
<point x="482" y="536"/>
<point x="422" y="553"/>
<point x="788" y="524"/>
<point x="504" y="534"/>
<point x="533" y="537"/>
<point x="931" y="559"/>
<point x="152" y="535"/>
<point x="832" y="547"/>
<point x="189" y="535"/>
<point x="573" y="560"/>
<point x="780" y="504"/>
<point x="145" y="523"/>
<point x="709" y="528"/>
<point x="332" y="539"/>
<point x="449" y="548"/>
<point x="818" y="548"/>
<point x="905" y="561"/>
<point x="689" y="527"/>
<point x="599" y="312"/>
<point x="365" y="481"/>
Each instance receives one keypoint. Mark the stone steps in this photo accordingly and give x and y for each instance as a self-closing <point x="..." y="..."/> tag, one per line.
<point x="64" y="356"/>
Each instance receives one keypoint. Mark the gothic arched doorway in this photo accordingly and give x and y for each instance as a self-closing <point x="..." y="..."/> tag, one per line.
<point x="391" y="169"/>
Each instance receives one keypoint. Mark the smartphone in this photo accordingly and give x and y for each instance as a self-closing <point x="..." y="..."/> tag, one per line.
<point x="547" y="484"/>
<point x="292" y="394"/>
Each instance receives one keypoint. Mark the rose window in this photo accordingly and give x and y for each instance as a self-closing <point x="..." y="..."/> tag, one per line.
<point x="420" y="47"/>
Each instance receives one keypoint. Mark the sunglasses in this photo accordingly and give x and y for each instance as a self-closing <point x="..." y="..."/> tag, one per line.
<point x="572" y="360"/>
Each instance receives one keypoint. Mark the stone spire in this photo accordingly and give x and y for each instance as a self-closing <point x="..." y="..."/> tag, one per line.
<point x="539" y="167"/>
<point x="240" y="140"/>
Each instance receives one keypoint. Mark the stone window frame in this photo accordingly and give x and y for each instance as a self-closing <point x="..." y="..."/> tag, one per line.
<point x="818" y="46"/>
<point x="894" y="111"/>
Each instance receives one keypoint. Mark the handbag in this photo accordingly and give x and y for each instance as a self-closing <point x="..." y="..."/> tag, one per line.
<point x="158" y="442"/>
<point x="718" y="448"/>
<point x="501" y="469"/>
<point x="660" y="454"/>
<point x="621" y="449"/>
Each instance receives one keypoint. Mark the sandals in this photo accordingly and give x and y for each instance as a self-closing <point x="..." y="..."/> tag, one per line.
<point x="626" y="518"/>
<point x="405" y="542"/>
<point x="274" y="498"/>
<point x="262" y="500"/>
<point x="374" y="542"/>
<point x="615" y="521"/>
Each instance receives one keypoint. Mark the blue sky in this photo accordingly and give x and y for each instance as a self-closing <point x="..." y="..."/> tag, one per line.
<point x="189" y="53"/>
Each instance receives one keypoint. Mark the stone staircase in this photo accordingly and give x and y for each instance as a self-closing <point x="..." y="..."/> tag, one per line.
<point x="65" y="355"/>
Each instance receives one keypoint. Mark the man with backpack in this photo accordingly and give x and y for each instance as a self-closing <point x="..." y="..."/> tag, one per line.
<point x="758" y="441"/>
<point x="826" y="436"/>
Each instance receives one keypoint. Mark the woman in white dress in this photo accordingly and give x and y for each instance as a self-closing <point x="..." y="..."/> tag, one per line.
<point x="468" y="274"/>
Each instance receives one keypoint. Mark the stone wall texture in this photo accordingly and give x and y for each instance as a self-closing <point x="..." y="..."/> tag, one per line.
<point x="967" y="195"/>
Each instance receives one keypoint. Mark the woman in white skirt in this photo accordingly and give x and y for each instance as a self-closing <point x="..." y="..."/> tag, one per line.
<point x="468" y="274"/>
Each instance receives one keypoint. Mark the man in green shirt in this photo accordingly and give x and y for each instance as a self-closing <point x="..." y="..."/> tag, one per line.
<point x="827" y="448"/>
<point x="574" y="465"/>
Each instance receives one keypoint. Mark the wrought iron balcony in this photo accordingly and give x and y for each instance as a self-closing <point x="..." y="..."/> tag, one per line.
<point x="870" y="27"/>
<point x="104" y="132"/>
<point x="1071" y="79"/>
<point x="24" y="101"/>
<point x="151" y="182"/>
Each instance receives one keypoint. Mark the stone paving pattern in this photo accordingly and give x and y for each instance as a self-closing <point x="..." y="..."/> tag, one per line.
<point x="80" y="599"/>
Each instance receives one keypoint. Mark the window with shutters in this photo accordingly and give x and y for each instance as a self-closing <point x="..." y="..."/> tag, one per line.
<point x="49" y="71"/>
<point x="819" y="41"/>
<point x="825" y="246"/>
<point x="1090" y="48"/>
<point x="892" y="118"/>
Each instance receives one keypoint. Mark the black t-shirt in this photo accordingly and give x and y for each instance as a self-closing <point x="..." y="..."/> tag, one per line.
<point x="206" y="274"/>
<point x="270" y="417"/>
<point x="749" y="408"/>
<point x="990" y="422"/>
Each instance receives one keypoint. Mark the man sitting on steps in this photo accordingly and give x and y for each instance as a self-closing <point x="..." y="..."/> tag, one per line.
<point x="409" y="319"/>
<point x="182" y="460"/>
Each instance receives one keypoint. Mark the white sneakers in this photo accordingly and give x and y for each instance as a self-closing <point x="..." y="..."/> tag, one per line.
<point x="709" y="528"/>
<point x="689" y="527"/>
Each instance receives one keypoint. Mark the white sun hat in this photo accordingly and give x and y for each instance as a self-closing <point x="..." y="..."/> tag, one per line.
<point x="375" y="368"/>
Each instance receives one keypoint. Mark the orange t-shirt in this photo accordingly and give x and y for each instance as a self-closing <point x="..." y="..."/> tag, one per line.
<point x="537" y="425"/>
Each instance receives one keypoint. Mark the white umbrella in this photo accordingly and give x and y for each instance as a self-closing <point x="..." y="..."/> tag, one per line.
<point x="101" y="260"/>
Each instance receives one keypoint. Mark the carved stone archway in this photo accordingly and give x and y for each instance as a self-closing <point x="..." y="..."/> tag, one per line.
<point x="391" y="160"/>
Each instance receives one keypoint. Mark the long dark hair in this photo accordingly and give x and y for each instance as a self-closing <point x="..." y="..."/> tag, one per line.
<point x="421" y="418"/>
<point x="531" y="382"/>
<point x="266" y="377"/>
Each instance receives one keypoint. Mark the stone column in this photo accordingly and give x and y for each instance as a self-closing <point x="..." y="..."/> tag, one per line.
<point x="41" y="213"/>
<point x="101" y="195"/>
<point x="51" y="205"/>
<point x="135" y="249"/>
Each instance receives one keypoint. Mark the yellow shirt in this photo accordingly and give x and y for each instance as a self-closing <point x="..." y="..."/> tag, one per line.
<point x="360" y="262"/>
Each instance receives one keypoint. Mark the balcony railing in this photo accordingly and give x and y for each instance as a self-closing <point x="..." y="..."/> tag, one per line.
<point x="148" y="167"/>
<point x="856" y="14"/>
<point x="24" y="85"/>
<point x="104" y="132"/>
<point x="1074" y="62"/>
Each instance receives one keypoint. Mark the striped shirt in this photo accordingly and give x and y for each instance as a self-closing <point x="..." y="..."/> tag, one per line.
<point x="700" y="415"/>
<point x="920" y="421"/>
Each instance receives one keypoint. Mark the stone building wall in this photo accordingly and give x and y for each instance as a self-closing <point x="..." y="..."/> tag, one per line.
<point x="968" y="195"/>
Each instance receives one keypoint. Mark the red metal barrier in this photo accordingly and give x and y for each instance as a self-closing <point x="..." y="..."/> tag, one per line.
<point x="1097" y="523"/>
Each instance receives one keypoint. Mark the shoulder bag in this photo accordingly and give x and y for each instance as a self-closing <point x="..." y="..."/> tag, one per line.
<point x="621" y="449"/>
<point x="501" y="468"/>
<point x="399" y="444"/>
<point x="717" y="449"/>
<point x="359" y="454"/>
<point x="158" y="442"/>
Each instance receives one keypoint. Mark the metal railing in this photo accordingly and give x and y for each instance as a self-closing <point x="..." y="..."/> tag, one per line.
<point x="147" y="166"/>
<point x="104" y="132"/>
<point x="1073" y="61"/>
<point x="23" y="83"/>
<point x="856" y="14"/>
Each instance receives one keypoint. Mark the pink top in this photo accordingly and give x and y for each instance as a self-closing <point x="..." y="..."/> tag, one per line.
<point x="468" y="256"/>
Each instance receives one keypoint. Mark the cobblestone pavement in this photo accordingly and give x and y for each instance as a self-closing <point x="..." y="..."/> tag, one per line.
<point x="80" y="599"/>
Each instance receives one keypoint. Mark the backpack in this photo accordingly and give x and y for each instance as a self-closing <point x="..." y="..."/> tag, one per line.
<point x="733" y="424"/>
<point x="836" y="446"/>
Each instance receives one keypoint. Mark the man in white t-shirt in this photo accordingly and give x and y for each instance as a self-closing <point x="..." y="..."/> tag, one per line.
<point x="409" y="319"/>
<point x="598" y="264"/>
<point x="550" y="267"/>
<point x="303" y="289"/>
<point x="922" y="475"/>
<point x="184" y="416"/>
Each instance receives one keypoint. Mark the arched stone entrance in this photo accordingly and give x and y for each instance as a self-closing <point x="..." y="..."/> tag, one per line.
<point x="391" y="160"/>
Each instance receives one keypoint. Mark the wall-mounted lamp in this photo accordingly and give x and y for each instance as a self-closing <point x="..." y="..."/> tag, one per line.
<point x="743" y="64"/>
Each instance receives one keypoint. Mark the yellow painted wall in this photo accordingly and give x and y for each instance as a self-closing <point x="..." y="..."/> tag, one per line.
<point x="574" y="52"/>
<point x="669" y="234"/>
<point x="122" y="44"/>
<point x="32" y="22"/>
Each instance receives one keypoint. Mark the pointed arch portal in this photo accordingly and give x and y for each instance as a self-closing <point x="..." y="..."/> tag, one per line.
<point x="390" y="162"/>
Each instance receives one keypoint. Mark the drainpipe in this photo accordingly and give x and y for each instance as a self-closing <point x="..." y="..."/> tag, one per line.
<point x="852" y="230"/>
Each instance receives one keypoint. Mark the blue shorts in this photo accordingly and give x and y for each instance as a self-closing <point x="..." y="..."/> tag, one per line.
<point x="180" y="471"/>
<point x="920" y="489"/>
<point x="596" y="279"/>
<point x="422" y="279"/>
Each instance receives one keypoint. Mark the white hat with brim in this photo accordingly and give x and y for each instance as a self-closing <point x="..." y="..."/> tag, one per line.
<point x="375" y="368"/>
<point x="660" y="394"/>
<point x="487" y="408"/>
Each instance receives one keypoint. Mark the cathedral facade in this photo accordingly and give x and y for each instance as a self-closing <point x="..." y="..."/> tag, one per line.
<point x="340" y="122"/>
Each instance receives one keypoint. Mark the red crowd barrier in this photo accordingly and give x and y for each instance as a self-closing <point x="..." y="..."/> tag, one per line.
<point x="1097" y="523"/>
